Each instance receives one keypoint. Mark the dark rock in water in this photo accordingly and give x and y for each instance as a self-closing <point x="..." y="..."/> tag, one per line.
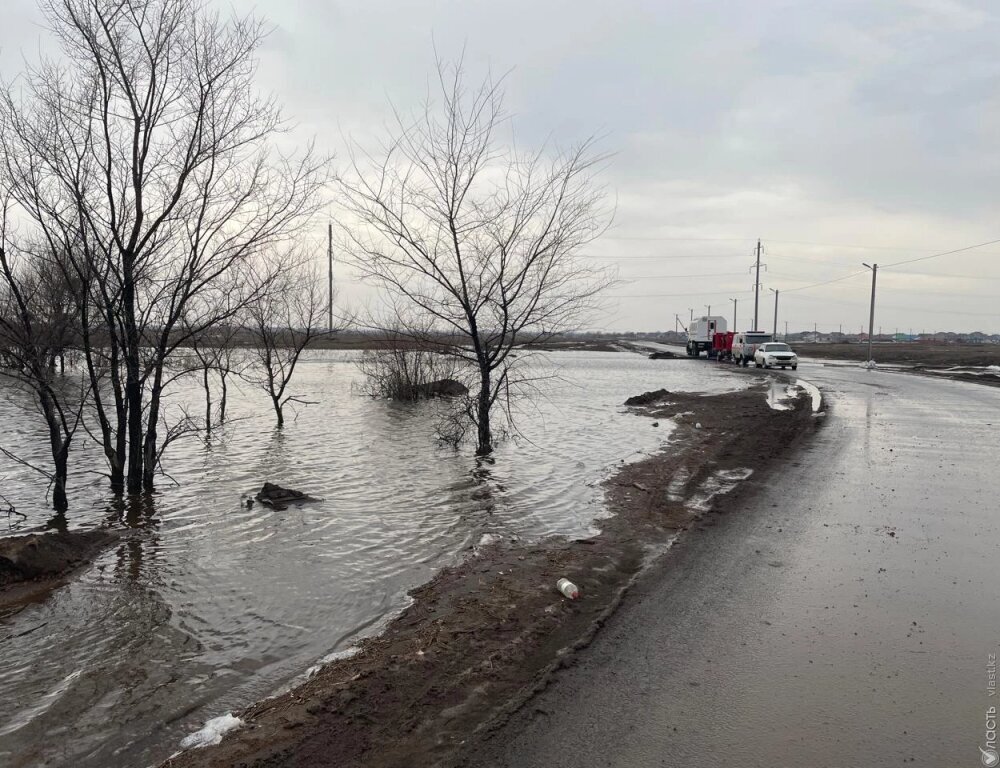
<point x="662" y="356"/>
<point x="278" y="497"/>
<point x="440" y="388"/>
<point x="648" y="397"/>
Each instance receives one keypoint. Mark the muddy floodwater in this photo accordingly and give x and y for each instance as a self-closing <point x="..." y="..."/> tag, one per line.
<point x="207" y="605"/>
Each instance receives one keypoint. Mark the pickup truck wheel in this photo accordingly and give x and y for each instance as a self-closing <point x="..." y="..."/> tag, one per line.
<point x="795" y="367"/>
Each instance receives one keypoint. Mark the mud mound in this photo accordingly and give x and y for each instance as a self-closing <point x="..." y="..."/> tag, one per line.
<point x="648" y="398"/>
<point x="48" y="555"/>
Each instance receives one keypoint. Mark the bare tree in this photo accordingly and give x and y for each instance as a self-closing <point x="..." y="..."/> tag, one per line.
<point x="285" y="320"/>
<point x="35" y="329"/>
<point x="146" y="155"/>
<point x="476" y="235"/>
<point x="219" y="357"/>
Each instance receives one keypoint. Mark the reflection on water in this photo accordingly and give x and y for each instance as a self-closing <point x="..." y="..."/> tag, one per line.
<point x="206" y="605"/>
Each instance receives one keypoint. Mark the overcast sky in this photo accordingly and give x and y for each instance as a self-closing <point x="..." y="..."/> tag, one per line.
<point x="837" y="132"/>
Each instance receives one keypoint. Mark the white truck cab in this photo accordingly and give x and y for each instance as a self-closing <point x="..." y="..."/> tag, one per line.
<point x="701" y="331"/>
<point x="745" y="344"/>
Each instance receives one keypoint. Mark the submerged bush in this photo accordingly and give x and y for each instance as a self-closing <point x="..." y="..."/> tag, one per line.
<point x="410" y="374"/>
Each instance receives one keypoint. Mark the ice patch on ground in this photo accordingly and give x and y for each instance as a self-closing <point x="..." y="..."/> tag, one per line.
<point x="721" y="482"/>
<point x="212" y="732"/>
<point x="489" y="538"/>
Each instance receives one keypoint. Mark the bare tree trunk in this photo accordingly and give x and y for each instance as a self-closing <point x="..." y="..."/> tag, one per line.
<point x="223" y="396"/>
<point x="149" y="444"/>
<point x="205" y="372"/>
<point x="59" y="446"/>
<point x="484" y="446"/>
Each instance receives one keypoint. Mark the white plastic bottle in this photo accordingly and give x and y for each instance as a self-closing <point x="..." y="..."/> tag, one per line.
<point x="568" y="588"/>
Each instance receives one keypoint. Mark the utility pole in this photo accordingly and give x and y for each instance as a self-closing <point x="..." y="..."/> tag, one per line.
<point x="774" y="335"/>
<point x="709" y="308"/>
<point x="329" y="258"/>
<point x="691" y="319"/>
<point x="871" y="317"/>
<point x="756" y="289"/>
<point x="734" y="314"/>
<point x="815" y="332"/>
<point x="786" y="330"/>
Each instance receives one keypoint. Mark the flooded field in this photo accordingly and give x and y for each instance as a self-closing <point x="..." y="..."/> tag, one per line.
<point x="207" y="605"/>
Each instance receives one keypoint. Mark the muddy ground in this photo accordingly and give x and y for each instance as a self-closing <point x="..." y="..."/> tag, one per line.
<point x="910" y="353"/>
<point x="482" y="636"/>
<point x="32" y="566"/>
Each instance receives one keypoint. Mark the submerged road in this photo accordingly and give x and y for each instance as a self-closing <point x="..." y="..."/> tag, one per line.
<point x="845" y="616"/>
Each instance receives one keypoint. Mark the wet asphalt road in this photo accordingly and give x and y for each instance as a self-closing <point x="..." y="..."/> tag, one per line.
<point x="844" y="617"/>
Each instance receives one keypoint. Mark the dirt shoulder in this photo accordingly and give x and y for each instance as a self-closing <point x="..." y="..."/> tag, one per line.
<point x="483" y="636"/>
<point x="33" y="565"/>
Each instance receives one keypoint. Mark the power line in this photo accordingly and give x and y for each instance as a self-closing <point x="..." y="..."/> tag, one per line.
<point x="657" y="277"/>
<point x="944" y="253"/>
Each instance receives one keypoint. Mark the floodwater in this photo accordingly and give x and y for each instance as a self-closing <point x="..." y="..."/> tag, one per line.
<point x="206" y="605"/>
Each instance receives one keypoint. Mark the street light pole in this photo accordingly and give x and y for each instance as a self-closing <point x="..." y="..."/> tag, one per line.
<point x="734" y="314"/>
<point x="775" y="334"/>
<point x="871" y="317"/>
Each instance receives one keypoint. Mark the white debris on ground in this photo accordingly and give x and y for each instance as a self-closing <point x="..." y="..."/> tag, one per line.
<point x="870" y="365"/>
<point x="212" y="732"/>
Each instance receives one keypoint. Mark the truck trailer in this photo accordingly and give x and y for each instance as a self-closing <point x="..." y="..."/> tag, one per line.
<point x="701" y="334"/>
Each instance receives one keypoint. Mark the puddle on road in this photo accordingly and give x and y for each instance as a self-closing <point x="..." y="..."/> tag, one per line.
<point x="781" y="395"/>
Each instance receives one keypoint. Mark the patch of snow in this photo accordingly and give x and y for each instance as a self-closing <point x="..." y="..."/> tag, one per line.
<point x="870" y="365"/>
<point x="212" y="732"/>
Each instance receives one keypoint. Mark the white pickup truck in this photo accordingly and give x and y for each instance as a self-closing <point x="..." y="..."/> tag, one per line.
<point x="745" y="345"/>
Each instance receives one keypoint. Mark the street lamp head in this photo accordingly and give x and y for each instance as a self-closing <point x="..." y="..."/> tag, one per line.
<point x="864" y="264"/>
